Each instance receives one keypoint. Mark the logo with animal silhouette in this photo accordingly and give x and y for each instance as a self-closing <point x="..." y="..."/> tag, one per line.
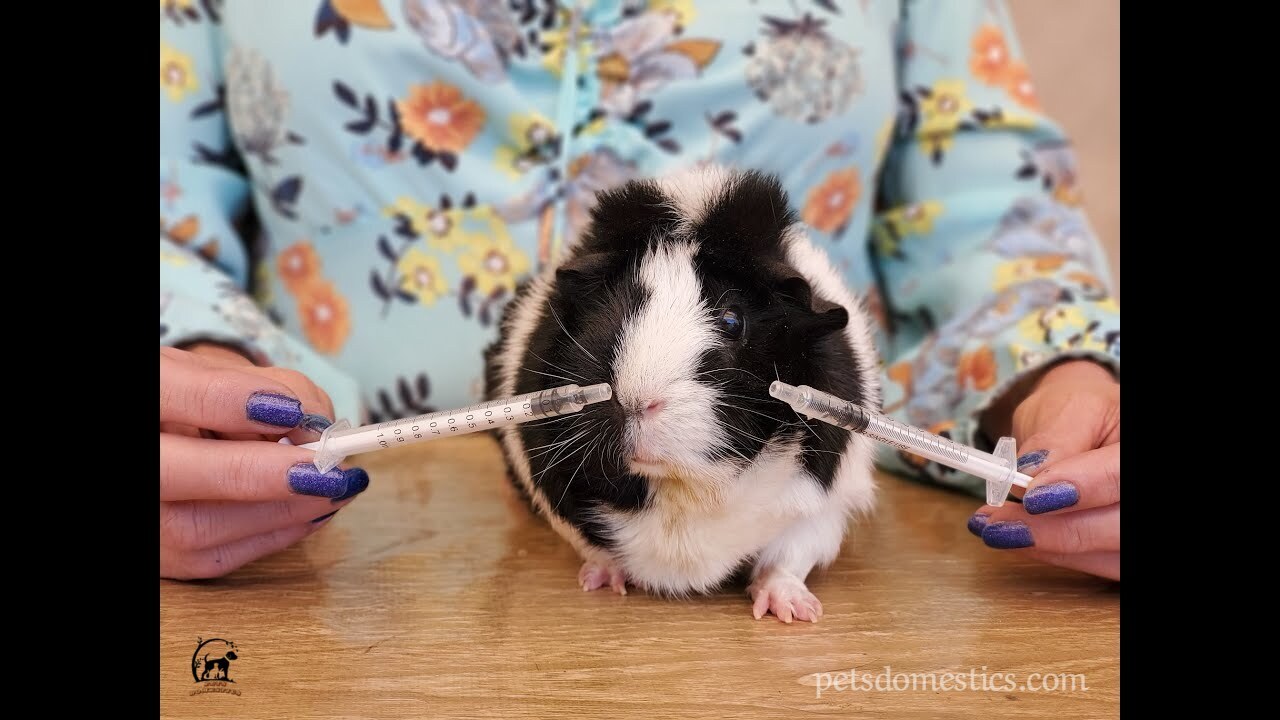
<point x="212" y="660"/>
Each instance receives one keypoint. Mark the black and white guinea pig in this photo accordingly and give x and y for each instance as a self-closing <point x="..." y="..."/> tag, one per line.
<point x="689" y="295"/>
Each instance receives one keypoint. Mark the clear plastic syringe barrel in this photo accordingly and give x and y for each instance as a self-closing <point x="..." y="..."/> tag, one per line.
<point x="341" y="440"/>
<point x="842" y="413"/>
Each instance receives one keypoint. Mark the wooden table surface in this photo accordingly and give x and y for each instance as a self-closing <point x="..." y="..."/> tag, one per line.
<point x="438" y="594"/>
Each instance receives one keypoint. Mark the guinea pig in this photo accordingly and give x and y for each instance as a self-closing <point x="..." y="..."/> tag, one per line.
<point x="688" y="295"/>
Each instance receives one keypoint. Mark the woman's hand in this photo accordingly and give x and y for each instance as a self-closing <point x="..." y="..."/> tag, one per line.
<point x="1068" y="431"/>
<point x="229" y="493"/>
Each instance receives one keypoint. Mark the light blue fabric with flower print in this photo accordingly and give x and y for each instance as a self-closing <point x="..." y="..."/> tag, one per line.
<point x="379" y="175"/>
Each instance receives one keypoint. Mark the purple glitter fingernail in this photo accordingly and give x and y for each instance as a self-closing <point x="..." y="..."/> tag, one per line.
<point x="273" y="409"/>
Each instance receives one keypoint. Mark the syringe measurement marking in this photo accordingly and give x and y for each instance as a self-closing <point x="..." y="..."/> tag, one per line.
<point x="398" y="425"/>
<point x="892" y="434"/>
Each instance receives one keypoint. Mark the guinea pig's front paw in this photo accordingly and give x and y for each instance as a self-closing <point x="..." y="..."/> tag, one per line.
<point x="784" y="595"/>
<point x="597" y="574"/>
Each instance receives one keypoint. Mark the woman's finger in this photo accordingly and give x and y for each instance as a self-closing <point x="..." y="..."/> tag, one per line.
<point x="1010" y="528"/>
<point x="200" y="469"/>
<point x="218" y="561"/>
<point x="226" y="399"/>
<point x="1050" y="430"/>
<point x="1102" y="564"/>
<point x="198" y="525"/>
<point x="1080" y="482"/>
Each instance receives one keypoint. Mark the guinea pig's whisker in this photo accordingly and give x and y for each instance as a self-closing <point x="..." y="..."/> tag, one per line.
<point x="556" y="442"/>
<point x="746" y="397"/>
<point x="565" y="447"/>
<point x="568" y="484"/>
<point x="559" y="457"/>
<point x="551" y="375"/>
<point x="556" y="315"/>
<point x="704" y="372"/>
<point x="746" y="434"/>
<point x="726" y="292"/>
<point x="557" y="367"/>
<point x="806" y="425"/>
<point x="736" y="407"/>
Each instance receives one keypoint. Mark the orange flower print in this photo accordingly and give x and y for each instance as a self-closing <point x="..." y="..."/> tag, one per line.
<point x="1017" y="82"/>
<point x="298" y="265"/>
<point x="977" y="369"/>
<point x="326" y="320"/>
<point x="439" y="117"/>
<point x="901" y="374"/>
<point x="990" y="59"/>
<point x="830" y="204"/>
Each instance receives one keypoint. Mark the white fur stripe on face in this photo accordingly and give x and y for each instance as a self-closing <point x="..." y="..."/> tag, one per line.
<point x="692" y="191"/>
<point x="663" y="343"/>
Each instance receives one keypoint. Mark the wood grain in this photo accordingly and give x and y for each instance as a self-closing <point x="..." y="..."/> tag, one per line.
<point x="437" y="594"/>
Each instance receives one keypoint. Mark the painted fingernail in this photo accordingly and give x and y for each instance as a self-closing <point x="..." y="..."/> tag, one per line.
<point x="978" y="522"/>
<point x="1048" y="498"/>
<point x="315" y="423"/>
<point x="322" y="518"/>
<point x="1032" y="460"/>
<point x="305" y="479"/>
<point x="272" y="409"/>
<point x="357" y="482"/>
<point x="1007" y="535"/>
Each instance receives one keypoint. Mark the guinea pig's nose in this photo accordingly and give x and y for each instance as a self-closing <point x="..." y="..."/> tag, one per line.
<point x="653" y="407"/>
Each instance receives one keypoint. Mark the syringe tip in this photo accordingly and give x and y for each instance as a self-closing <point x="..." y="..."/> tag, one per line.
<point x="596" y="393"/>
<point x="788" y="394"/>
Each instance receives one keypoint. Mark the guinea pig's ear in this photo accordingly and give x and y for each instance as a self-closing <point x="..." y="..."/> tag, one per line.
<point x="796" y="288"/>
<point x="821" y="323"/>
<point x="814" y="316"/>
<point x="579" y="274"/>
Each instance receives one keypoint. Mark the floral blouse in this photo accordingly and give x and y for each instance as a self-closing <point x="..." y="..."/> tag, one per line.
<point x="353" y="188"/>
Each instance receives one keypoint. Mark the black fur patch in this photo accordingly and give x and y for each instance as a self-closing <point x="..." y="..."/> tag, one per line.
<point x="791" y="333"/>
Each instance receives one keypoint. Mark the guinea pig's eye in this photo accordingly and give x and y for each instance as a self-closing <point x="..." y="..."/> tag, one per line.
<point x="731" y="322"/>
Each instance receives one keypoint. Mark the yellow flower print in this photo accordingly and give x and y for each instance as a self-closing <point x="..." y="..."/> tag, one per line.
<point x="1020" y="270"/>
<point x="493" y="262"/>
<point x="1108" y="305"/>
<point x="1041" y="326"/>
<point x="421" y="276"/>
<point x="174" y="258"/>
<point x="440" y="117"/>
<point x="914" y="219"/>
<point x="882" y="140"/>
<point x="1025" y="358"/>
<point x="942" y="111"/>
<point x="177" y="76"/>
<point x="441" y="228"/>
<point x="533" y="142"/>
<point x="178" y="4"/>
<point x="555" y="44"/>
<point x="682" y="9"/>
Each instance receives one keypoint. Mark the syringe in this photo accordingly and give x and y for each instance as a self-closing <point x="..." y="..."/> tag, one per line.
<point x="999" y="469"/>
<point x="341" y="440"/>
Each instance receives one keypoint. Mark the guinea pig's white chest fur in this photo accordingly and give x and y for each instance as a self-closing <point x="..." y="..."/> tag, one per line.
<point x="688" y="296"/>
<point x="694" y="534"/>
